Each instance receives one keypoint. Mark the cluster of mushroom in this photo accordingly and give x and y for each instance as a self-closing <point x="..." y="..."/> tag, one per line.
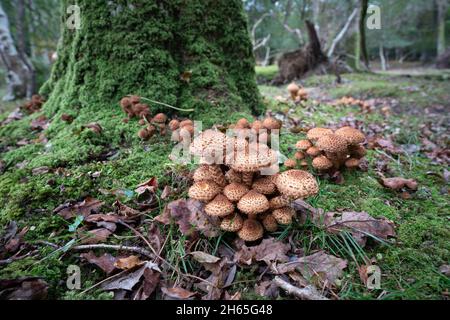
<point x="133" y="107"/>
<point x="34" y="104"/>
<point x="350" y="101"/>
<point x="332" y="150"/>
<point x="262" y="128"/>
<point x="297" y="93"/>
<point x="244" y="199"/>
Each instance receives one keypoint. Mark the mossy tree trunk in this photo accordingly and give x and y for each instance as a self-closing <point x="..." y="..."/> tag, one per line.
<point x="142" y="47"/>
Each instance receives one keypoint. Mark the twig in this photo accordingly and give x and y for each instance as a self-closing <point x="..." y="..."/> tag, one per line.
<point x="141" y="251"/>
<point x="307" y="293"/>
<point x="166" y="105"/>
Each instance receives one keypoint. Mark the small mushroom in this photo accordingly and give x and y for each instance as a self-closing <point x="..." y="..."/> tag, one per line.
<point x="313" y="152"/>
<point x="290" y="163"/>
<point x="204" y="190"/>
<point x="235" y="191"/>
<point x="284" y="215"/>
<point x="316" y="133"/>
<point x="270" y="223"/>
<point x="242" y="124"/>
<point x="233" y="176"/>
<point x="297" y="184"/>
<point x="160" y="118"/>
<point x="293" y="89"/>
<point x="264" y="185"/>
<point x="251" y="230"/>
<point x="299" y="155"/>
<point x="232" y="223"/>
<point x="271" y="123"/>
<point x="357" y="152"/>
<point x="186" y="122"/>
<point x="352" y="163"/>
<point x="144" y="134"/>
<point x="351" y="135"/>
<point x="220" y="206"/>
<point x="253" y="203"/>
<point x="279" y="202"/>
<point x="257" y="126"/>
<point x="322" y="163"/>
<point x="174" y="124"/>
<point x="303" y="145"/>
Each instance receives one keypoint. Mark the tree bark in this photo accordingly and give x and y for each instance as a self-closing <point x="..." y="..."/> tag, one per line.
<point x="362" y="32"/>
<point x="142" y="49"/>
<point x="341" y="33"/>
<point x="17" y="76"/>
<point x="442" y="7"/>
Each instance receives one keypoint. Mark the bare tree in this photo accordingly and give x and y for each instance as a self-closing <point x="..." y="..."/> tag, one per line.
<point x="342" y="33"/>
<point x="18" y="79"/>
<point x="442" y="7"/>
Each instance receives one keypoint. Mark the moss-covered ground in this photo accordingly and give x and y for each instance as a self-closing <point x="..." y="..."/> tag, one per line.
<point x="120" y="161"/>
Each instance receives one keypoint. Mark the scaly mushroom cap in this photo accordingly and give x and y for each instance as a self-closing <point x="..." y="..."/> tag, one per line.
<point x="322" y="163"/>
<point x="253" y="159"/>
<point x="313" y="152"/>
<point x="316" y="133"/>
<point x="233" y="176"/>
<point x="303" y="145"/>
<point x="186" y="122"/>
<point x="174" y="124"/>
<point x="251" y="230"/>
<point x="357" y="151"/>
<point x="271" y="123"/>
<point x="264" y="185"/>
<point x="160" y="118"/>
<point x="279" y="202"/>
<point x="187" y="130"/>
<point x="297" y="184"/>
<point x="202" y="173"/>
<point x="257" y="125"/>
<point x="293" y="88"/>
<point x="332" y="143"/>
<point x="235" y="191"/>
<point x="351" y="135"/>
<point x="220" y="206"/>
<point x="352" y="163"/>
<point x="242" y="123"/>
<point x="290" y="163"/>
<point x="284" y="215"/>
<point x="209" y="145"/>
<point x="299" y="155"/>
<point x="270" y="223"/>
<point x="204" y="190"/>
<point x="253" y="203"/>
<point x="232" y="223"/>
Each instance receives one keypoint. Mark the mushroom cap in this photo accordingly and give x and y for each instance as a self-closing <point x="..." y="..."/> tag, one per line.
<point x="299" y="155"/>
<point x="253" y="203"/>
<point x="351" y="135"/>
<point x="264" y="185"/>
<point x="316" y="133"/>
<point x="251" y="230"/>
<point x="352" y="163"/>
<point x="160" y="118"/>
<point x="271" y="123"/>
<point x="202" y="173"/>
<point x="279" y="202"/>
<point x="257" y="125"/>
<point x="357" y="151"/>
<point x="293" y="88"/>
<point x="270" y="223"/>
<point x="255" y="157"/>
<point x="233" y="176"/>
<point x="242" y="123"/>
<point x="187" y="128"/>
<point x="332" y="143"/>
<point x="290" y="163"/>
<point x="220" y="206"/>
<point x="125" y="102"/>
<point x="313" y="152"/>
<point x="284" y="215"/>
<point x="144" y="134"/>
<point x="135" y="99"/>
<point x="297" y="184"/>
<point x="174" y="124"/>
<point x="235" y="191"/>
<point x="186" y="122"/>
<point x="303" y="145"/>
<point x="209" y="146"/>
<point x="322" y="163"/>
<point x="204" y="190"/>
<point x="232" y="223"/>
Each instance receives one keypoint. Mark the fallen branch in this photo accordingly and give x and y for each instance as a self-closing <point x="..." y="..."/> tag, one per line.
<point x="141" y="251"/>
<point x="165" y="105"/>
<point x="307" y="293"/>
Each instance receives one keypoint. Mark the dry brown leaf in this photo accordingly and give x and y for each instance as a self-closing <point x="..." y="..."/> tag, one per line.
<point x="126" y="211"/>
<point x="40" y="123"/>
<point x="85" y="208"/>
<point x="23" y="289"/>
<point x="269" y="250"/>
<point x="203" y="257"/>
<point x="95" y="236"/>
<point x="128" y="262"/>
<point x="130" y="278"/>
<point x="104" y="262"/>
<point x="150" y="186"/>
<point x="178" y="293"/>
<point x="94" y="127"/>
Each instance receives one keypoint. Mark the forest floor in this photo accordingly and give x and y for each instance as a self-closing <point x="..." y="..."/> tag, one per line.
<point x="86" y="170"/>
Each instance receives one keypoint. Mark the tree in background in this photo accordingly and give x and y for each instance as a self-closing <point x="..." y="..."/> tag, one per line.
<point x="442" y="8"/>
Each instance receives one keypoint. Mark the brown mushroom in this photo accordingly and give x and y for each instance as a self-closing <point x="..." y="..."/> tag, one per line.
<point x="144" y="134"/>
<point x="290" y="163"/>
<point x="297" y="184"/>
<point x="279" y="202"/>
<point x="303" y="145"/>
<point x="299" y="155"/>
<point x="204" y="190"/>
<point x="352" y="163"/>
<point x="220" y="206"/>
<point x="174" y="124"/>
<point x="257" y="126"/>
<point x="251" y="230"/>
<point x="351" y="135"/>
<point x="284" y="215"/>
<point x="270" y="223"/>
<point x="233" y="176"/>
<point x="160" y="118"/>
<point x="322" y="163"/>
<point x="264" y="185"/>
<point x="293" y="89"/>
<point x="242" y="124"/>
<point x="316" y="133"/>
<point x="232" y="223"/>
<point x="253" y="203"/>
<point x="313" y="152"/>
<point x="235" y="191"/>
<point x="357" y="152"/>
<point x="271" y="123"/>
<point x="332" y="143"/>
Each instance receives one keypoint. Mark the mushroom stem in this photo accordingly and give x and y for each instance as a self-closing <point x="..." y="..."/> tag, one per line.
<point x="247" y="178"/>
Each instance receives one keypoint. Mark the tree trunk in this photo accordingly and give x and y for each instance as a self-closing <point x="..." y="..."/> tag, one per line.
<point x="17" y="76"/>
<point x="342" y="33"/>
<point x="361" y="46"/>
<point x="382" y="57"/>
<point x="442" y="7"/>
<point x="143" y="49"/>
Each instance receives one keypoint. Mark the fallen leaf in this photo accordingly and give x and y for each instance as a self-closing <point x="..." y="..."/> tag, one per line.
<point x="150" y="186"/>
<point x="149" y="284"/>
<point x="186" y="76"/>
<point x="178" y="293"/>
<point x="269" y="250"/>
<point x="13" y="116"/>
<point x="94" y="127"/>
<point x="203" y="257"/>
<point x="127" y="263"/>
<point x="399" y="183"/>
<point x="85" y="208"/>
<point x="40" y="123"/>
<point x="319" y="266"/>
<point x="126" y="211"/>
<point x="96" y="236"/>
<point x="104" y="262"/>
<point x="166" y="192"/>
<point x="129" y="278"/>
<point x="23" y="289"/>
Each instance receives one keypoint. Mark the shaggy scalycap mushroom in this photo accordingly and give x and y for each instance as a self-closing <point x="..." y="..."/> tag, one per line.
<point x="264" y="185"/>
<point x="235" y="191"/>
<point x="352" y="163"/>
<point x="204" y="190"/>
<point x="253" y="203"/>
<point x="279" y="202"/>
<point x="232" y="223"/>
<point x="313" y="152"/>
<point x="322" y="163"/>
<point x="351" y="135"/>
<point x="290" y="163"/>
<point x="332" y="143"/>
<point x="160" y="118"/>
<point x="220" y="206"/>
<point x="251" y="230"/>
<point x="303" y="145"/>
<point x="297" y="184"/>
<point x="209" y="146"/>
<point x="293" y="89"/>
<point x="284" y="215"/>
<point x="316" y="133"/>
<point x="270" y="223"/>
<point x="271" y="123"/>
